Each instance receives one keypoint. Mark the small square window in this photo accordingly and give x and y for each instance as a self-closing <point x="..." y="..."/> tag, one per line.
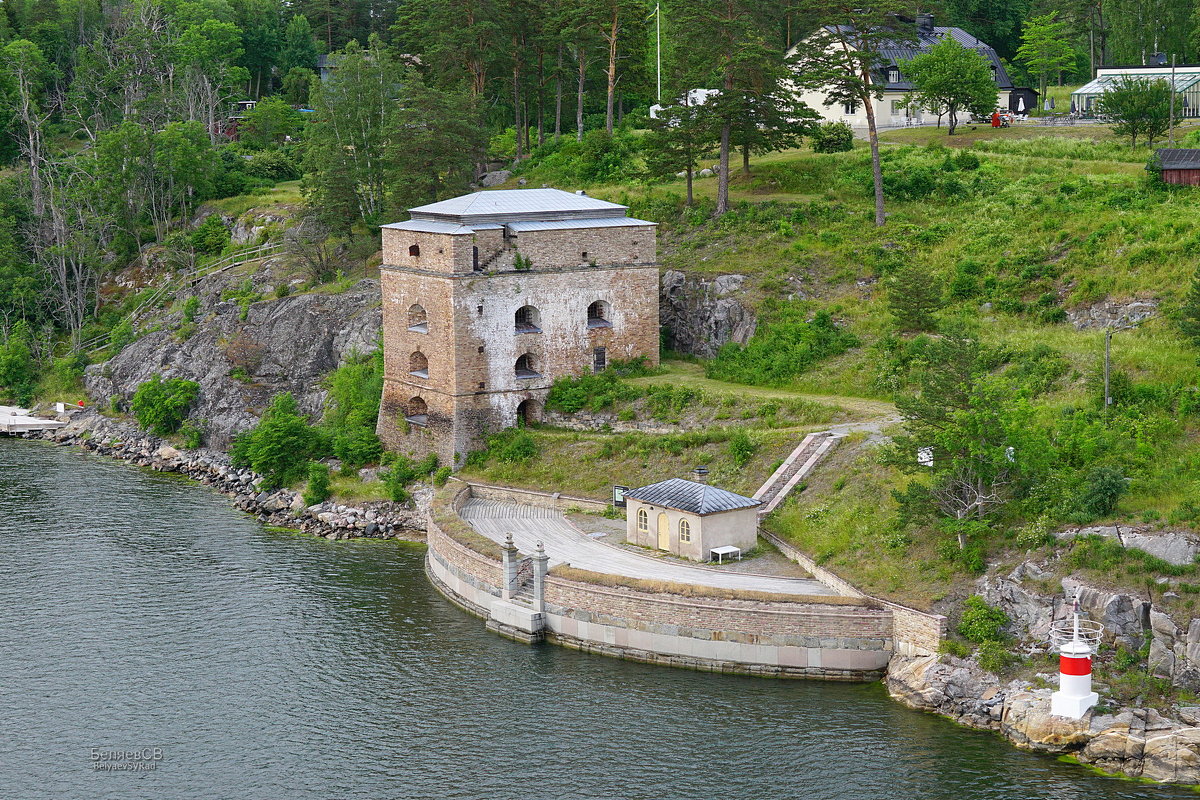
<point x="481" y="384"/>
<point x="479" y="309"/>
<point x="583" y="255"/>
<point x="481" y="348"/>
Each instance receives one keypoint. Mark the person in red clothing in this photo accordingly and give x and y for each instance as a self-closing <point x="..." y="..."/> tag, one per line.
<point x="995" y="119"/>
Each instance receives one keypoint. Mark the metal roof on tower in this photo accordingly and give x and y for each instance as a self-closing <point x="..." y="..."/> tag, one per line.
<point x="696" y="498"/>
<point x="513" y="205"/>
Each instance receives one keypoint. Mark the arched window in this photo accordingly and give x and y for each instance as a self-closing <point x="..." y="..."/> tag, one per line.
<point x="528" y="320"/>
<point x="599" y="315"/>
<point x="526" y="367"/>
<point x="414" y="250"/>
<point x="643" y="521"/>
<point x="418" y="365"/>
<point x="685" y="531"/>
<point x="417" y="412"/>
<point x="418" y="320"/>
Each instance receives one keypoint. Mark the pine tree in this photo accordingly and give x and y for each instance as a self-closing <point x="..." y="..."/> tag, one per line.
<point x="914" y="298"/>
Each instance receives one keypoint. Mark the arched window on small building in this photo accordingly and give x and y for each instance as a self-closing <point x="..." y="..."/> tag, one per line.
<point x="685" y="531"/>
<point x="643" y="521"/>
<point x="527" y="320"/>
<point x="599" y="315"/>
<point x="417" y="412"/>
<point x="526" y="367"/>
<point x="414" y="250"/>
<point x="418" y="320"/>
<point x="418" y="365"/>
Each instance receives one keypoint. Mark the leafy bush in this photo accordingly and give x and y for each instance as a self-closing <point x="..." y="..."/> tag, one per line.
<point x="352" y="408"/>
<point x="441" y="476"/>
<point x="509" y="446"/>
<point x="192" y="434"/>
<point x="832" y="137"/>
<point x="317" y="490"/>
<point x="18" y="370"/>
<point x="1104" y="487"/>
<point x="995" y="657"/>
<point x="211" y="236"/>
<point x="741" y="448"/>
<point x="273" y="165"/>
<point x="981" y="622"/>
<point x="783" y="347"/>
<point x="403" y="472"/>
<point x="280" y="446"/>
<point x="190" y="307"/>
<point x="160" y="406"/>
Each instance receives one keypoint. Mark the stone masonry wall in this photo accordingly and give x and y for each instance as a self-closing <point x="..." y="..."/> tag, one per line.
<point x="555" y="249"/>
<point x="787" y="638"/>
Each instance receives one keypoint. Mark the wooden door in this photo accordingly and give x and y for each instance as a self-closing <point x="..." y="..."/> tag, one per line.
<point x="664" y="532"/>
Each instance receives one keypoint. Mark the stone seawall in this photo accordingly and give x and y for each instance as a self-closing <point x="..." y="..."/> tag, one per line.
<point x="785" y="639"/>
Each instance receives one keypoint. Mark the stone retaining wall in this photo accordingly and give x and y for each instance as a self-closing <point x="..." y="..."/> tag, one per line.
<point x="725" y="635"/>
<point x="914" y="633"/>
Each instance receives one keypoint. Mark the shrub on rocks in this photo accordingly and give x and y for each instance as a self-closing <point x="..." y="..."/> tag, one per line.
<point x="161" y="406"/>
<point x="317" y="490"/>
<point x="981" y="622"/>
<point x="280" y="446"/>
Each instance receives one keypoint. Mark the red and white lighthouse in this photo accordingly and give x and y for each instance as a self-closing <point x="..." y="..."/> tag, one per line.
<point x="1076" y="641"/>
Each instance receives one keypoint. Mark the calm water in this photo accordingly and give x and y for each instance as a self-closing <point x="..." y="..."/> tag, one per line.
<point x="139" y="610"/>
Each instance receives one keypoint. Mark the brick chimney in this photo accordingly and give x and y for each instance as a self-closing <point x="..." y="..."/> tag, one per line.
<point x="700" y="474"/>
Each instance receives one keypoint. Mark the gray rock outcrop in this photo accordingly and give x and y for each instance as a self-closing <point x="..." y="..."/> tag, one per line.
<point x="287" y="344"/>
<point x="1136" y="742"/>
<point x="701" y="315"/>
<point x="1109" y="314"/>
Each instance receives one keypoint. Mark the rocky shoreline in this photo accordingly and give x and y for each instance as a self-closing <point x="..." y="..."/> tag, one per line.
<point x="1136" y="742"/>
<point x="283" y="508"/>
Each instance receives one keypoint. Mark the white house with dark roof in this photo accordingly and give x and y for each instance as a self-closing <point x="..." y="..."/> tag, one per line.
<point x="890" y="110"/>
<point x="689" y="518"/>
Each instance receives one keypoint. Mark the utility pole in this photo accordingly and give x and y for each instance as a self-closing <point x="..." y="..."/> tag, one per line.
<point x="1171" y="119"/>
<point x="1107" y="350"/>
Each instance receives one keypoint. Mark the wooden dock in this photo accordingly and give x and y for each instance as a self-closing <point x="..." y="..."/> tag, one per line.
<point x="21" y="420"/>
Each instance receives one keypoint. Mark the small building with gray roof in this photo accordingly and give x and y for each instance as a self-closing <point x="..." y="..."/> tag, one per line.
<point x="690" y="518"/>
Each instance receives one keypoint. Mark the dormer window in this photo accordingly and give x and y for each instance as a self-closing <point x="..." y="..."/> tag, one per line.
<point x="893" y="75"/>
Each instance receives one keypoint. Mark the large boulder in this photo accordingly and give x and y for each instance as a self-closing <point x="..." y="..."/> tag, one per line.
<point x="1028" y="722"/>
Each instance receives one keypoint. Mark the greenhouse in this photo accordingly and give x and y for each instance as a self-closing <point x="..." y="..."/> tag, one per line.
<point x="1186" y="82"/>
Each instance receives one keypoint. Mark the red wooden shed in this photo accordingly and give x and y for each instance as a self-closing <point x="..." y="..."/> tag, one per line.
<point x="1180" y="166"/>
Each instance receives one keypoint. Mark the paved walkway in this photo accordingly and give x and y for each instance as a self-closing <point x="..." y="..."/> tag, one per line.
<point x="565" y="544"/>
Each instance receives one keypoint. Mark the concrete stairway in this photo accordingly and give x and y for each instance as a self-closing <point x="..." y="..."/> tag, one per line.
<point x="795" y="468"/>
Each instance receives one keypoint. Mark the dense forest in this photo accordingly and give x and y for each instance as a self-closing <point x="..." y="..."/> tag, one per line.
<point x="116" y="116"/>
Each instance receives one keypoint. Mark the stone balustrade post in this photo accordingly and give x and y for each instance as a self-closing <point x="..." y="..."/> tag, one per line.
<point x="541" y="563"/>
<point x="509" y="565"/>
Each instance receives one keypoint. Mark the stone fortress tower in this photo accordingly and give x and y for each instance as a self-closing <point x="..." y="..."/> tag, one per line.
<point x="488" y="297"/>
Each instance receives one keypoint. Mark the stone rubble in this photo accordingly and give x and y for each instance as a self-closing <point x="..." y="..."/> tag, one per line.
<point x="282" y="508"/>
